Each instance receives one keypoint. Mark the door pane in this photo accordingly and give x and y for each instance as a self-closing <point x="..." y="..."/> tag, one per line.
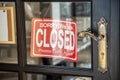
<point x="79" y="11"/>
<point x="8" y="76"/>
<point x="8" y="52"/>
<point x="55" y="77"/>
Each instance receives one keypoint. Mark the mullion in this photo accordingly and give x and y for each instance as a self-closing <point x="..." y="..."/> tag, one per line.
<point x="22" y="75"/>
<point x="56" y="0"/>
<point x="7" y="0"/>
<point x="20" y="20"/>
<point x="21" y="33"/>
<point x="58" y="70"/>
<point x="9" y="67"/>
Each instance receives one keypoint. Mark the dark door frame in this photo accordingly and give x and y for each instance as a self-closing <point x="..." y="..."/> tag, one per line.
<point x="109" y="9"/>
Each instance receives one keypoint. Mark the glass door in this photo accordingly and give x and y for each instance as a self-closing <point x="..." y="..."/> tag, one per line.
<point x="86" y="14"/>
<point x="79" y="12"/>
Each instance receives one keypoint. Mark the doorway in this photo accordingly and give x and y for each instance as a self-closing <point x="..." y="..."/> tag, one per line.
<point x="15" y="60"/>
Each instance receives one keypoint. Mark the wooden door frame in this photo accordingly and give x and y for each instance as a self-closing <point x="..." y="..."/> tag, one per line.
<point x="109" y="9"/>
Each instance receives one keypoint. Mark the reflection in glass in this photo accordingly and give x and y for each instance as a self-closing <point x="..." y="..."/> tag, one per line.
<point x="55" y="77"/>
<point x="8" y="76"/>
<point x="80" y="12"/>
<point x="8" y="52"/>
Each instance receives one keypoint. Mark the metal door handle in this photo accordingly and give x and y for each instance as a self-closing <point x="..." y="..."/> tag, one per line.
<point x="102" y="44"/>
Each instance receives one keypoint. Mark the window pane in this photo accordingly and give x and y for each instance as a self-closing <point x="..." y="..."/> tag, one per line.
<point x="55" y="77"/>
<point x="8" y="76"/>
<point x="79" y="11"/>
<point x="8" y="52"/>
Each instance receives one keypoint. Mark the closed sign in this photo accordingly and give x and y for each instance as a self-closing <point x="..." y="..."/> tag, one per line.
<point x="54" y="39"/>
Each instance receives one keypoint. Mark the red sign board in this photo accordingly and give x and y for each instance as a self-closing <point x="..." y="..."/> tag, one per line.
<point x="54" y="39"/>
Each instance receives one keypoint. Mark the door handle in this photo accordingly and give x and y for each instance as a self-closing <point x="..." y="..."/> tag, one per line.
<point x="102" y="43"/>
